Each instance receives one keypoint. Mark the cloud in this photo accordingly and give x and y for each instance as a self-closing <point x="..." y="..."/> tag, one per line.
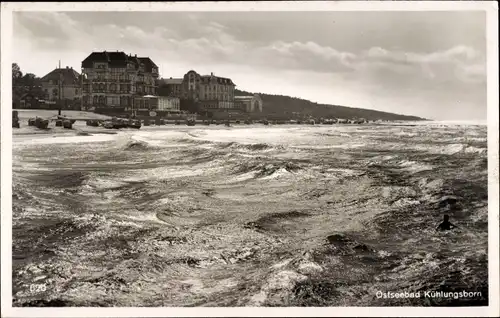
<point x="46" y="27"/>
<point x="214" y="42"/>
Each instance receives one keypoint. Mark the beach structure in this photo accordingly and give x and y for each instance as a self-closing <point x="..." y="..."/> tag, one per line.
<point x="15" y="119"/>
<point x="67" y="124"/>
<point x="38" y="122"/>
<point x="159" y="104"/>
<point x="249" y="104"/>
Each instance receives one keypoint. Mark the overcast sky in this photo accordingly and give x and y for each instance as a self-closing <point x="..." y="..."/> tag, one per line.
<point x="429" y="64"/>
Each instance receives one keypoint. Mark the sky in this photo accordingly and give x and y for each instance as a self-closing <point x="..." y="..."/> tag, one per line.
<point x="428" y="64"/>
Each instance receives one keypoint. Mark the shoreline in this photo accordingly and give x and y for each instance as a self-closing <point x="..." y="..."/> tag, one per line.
<point x="80" y="127"/>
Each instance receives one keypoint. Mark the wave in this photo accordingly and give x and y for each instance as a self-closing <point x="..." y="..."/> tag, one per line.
<point x="229" y="145"/>
<point x="471" y="149"/>
<point x="193" y="141"/>
<point x="137" y="145"/>
<point x="452" y="149"/>
<point x="261" y="170"/>
<point x="412" y="166"/>
<point x="457" y="149"/>
<point x="252" y="147"/>
<point x="407" y="134"/>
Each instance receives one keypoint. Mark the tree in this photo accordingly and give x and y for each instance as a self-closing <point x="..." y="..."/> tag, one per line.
<point x="16" y="72"/>
<point x="30" y="81"/>
<point x="16" y="76"/>
<point x="24" y="83"/>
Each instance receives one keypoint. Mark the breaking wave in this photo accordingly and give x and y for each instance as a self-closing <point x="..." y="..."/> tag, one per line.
<point x="453" y="149"/>
<point x="193" y="141"/>
<point x="251" y="147"/>
<point x="138" y="145"/>
<point x="260" y="169"/>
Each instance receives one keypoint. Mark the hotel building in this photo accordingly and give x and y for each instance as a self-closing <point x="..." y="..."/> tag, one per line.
<point x="115" y="80"/>
<point x="208" y="92"/>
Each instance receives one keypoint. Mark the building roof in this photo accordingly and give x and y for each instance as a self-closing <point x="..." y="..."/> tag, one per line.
<point x="118" y="59"/>
<point x="172" y="80"/>
<point x="210" y="78"/>
<point x="114" y="59"/>
<point x="68" y="75"/>
<point x="218" y="79"/>
<point x="148" y="64"/>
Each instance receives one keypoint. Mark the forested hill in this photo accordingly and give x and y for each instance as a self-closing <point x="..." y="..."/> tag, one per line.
<point x="285" y="106"/>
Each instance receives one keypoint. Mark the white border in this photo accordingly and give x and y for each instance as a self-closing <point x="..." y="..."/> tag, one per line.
<point x="491" y="7"/>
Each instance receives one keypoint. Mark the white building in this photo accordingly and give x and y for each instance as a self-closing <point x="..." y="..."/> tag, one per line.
<point x="169" y="104"/>
<point x="249" y="104"/>
<point x="159" y="103"/>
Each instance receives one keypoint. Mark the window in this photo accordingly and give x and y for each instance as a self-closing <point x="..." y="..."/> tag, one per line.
<point x="76" y="91"/>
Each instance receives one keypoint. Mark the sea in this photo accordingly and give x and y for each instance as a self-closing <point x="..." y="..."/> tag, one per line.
<point x="251" y="215"/>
